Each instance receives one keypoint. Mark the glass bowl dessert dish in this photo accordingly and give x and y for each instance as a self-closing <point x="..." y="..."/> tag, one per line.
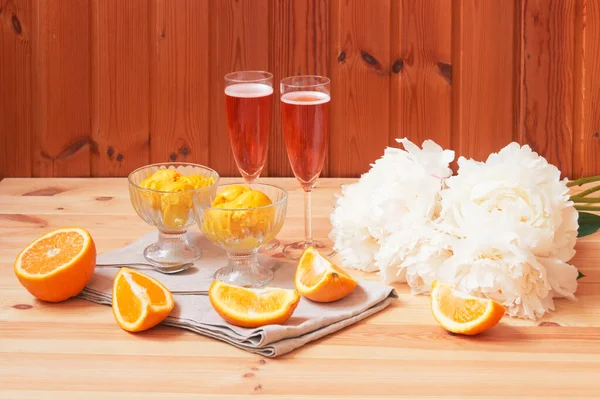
<point x="240" y="218"/>
<point x="162" y="195"/>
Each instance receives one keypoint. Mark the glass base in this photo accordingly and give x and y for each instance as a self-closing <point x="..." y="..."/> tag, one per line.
<point x="294" y="250"/>
<point x="254" y="277"/>
<point x="171" y="249"/>
<point x="269" y="246"/>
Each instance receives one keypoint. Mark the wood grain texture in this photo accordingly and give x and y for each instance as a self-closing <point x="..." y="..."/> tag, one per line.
<point x="179" y="79"/>
<point x="15" y="93"/>
<point x="61" y="88"/>
<point x="586" y="150"/>
<point x="96" y="88"/>
<point x="239" y="41"/>
<point x="299" y="46"/>
<point x="360" y="86"/>
<point x="120" y="86"/>
<point x="546" y="89"/>
<point x="75" y="350"/>
<point x="485" y="72"/>
<point x="421" y="73"/>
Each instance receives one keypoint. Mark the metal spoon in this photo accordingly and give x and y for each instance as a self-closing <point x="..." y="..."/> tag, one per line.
<point x="165" y="269"/>
<point x="190" y="292"/>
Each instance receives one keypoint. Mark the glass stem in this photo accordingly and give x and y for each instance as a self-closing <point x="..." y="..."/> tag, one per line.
<point x="308" y="240"/>
<point x="244" y="262"/>
<point x="171" y="241"/>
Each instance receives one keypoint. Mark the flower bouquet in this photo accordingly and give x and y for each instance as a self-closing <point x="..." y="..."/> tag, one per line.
<point x="503" y="229"/>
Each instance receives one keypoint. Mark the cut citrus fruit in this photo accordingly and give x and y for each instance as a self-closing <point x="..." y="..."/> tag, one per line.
<point x="57" y="265"/>
<point x="318" y="279"/>
<point x="251" y="308"/>
<point x="460" y="313"/>
<point x="139" y="301"/>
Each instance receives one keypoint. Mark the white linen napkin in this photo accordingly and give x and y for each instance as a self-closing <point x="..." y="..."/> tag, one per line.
<point x="194" y="312"/>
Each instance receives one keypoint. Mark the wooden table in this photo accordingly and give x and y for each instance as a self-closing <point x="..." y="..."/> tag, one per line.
<point x="76" y="350"/>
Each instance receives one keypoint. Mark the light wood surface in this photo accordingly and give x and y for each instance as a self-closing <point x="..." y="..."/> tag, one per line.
<point x="75" y="350"/>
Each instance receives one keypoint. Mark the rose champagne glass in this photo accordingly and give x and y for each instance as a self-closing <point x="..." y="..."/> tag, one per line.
<point x="305" y="121"/>
<point x="249" y="106"/>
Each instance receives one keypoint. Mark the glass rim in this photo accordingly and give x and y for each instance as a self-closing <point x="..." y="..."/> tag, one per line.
<point x="180" y="164"/>
<point x="229" y="77"/>
<point x="274" y="204"/>
<point x="326" y="80"/>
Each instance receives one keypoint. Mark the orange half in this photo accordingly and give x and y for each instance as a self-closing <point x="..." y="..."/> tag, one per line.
<point x="57" y="265"/>
<point x="318" y="279"/>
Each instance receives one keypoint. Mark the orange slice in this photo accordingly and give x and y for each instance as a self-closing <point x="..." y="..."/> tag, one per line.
<point x="57" y="265"/>
<point x="460" y="313"/>
<point x="318" y="279"/>
<point x="139" y="302"/>
<point x="251" y="308"/>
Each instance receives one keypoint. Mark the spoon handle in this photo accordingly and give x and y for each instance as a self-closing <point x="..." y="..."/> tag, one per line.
<point x="139" y="266"/>
<point x="190" y="292"/>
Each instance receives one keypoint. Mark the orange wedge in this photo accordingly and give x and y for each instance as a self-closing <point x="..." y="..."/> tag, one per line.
<point x="57" y="265"/>
<point x="460" y="313"/>
<point x="139" y="302"/>
<point x="318" y="279"/>
<point x="251" y="308"/>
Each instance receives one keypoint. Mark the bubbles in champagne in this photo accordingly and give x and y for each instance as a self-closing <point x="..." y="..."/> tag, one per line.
<point x="248" y="90"/>
<point x="306" y="98"/>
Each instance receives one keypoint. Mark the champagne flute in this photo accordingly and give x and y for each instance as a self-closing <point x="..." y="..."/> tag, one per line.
<point x="249" y="107"/>
<point x="305" y="121"/>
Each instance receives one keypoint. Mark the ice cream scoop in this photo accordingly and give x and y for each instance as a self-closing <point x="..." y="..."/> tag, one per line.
<point x="175" y="201"/>
<point x="245" y="214"/>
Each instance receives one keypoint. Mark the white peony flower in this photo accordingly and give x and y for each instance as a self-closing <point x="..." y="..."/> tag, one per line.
<point x="517" y="229"/>
<point x="488" y="261"/>
<point x="527" y="189"/>
<point x="351" y="231"/>
<point x="399" y="193"/>
<point x="504" y="229"/>
<point x="414" y="256"/>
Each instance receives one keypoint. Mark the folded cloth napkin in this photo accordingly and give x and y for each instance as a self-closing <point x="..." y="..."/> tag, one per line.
<point x="194" y="312"/>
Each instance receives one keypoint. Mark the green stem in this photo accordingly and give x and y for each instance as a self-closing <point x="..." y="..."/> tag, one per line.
<point x="585" y="200"/>
<point x="588" y="191"/>
<point x="583" y="181"/>
<point x="587" y="208"/>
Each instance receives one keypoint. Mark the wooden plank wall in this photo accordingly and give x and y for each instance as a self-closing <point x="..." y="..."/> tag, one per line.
<point x="99" y="87"/>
